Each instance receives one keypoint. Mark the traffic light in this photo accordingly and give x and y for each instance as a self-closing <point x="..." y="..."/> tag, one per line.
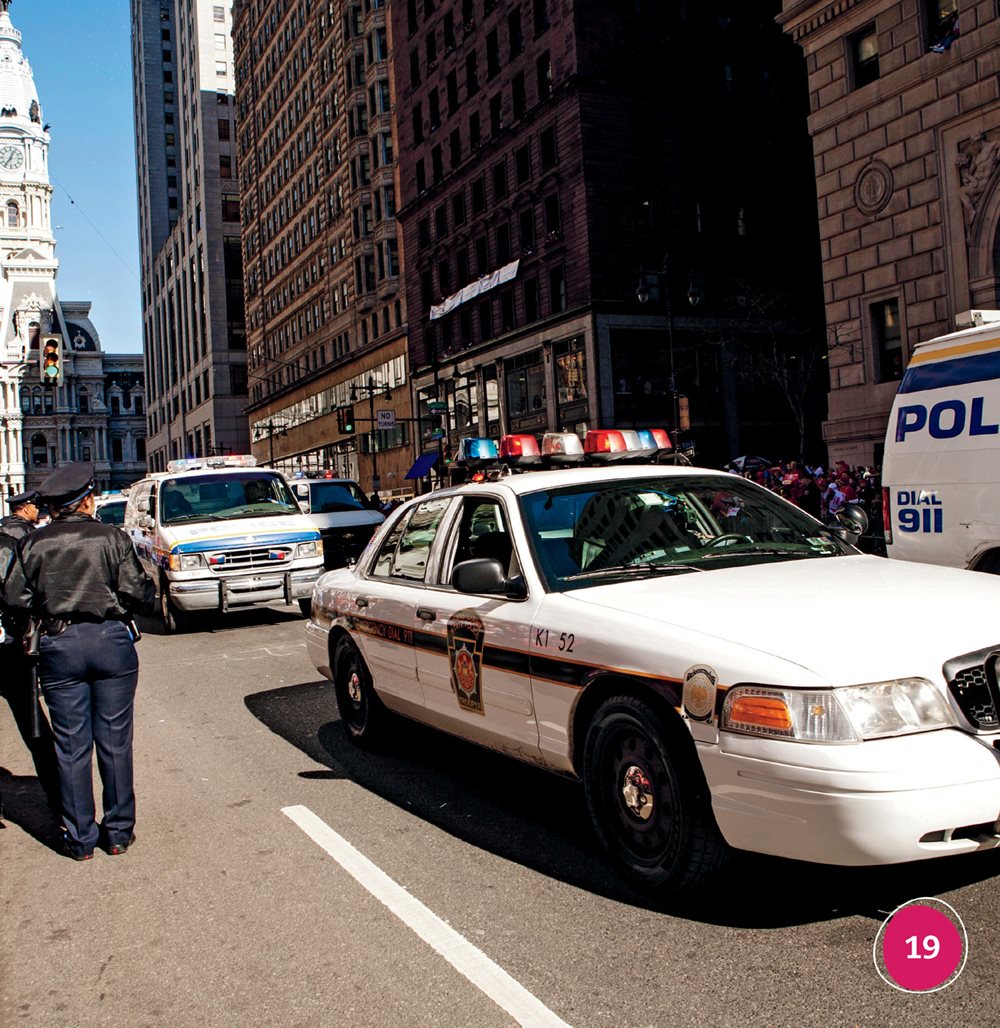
<point x="345" y="420"/>
<point x="50" y="360"/>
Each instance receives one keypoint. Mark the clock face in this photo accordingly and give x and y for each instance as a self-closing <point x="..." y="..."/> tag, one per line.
<point x="11" y="158"/>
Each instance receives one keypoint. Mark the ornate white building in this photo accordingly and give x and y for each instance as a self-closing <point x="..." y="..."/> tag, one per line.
<point x="43" y="425"/>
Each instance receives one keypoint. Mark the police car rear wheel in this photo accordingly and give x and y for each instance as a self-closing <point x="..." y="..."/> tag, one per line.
<point x="648" y="798"/>
<point x="360" y="709"/>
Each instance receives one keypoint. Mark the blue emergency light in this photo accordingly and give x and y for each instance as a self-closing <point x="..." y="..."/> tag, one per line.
<point x="471" y="448"/>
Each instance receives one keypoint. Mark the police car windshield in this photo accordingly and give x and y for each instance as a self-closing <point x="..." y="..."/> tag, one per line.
<point x="584" y="535"/>
<point x="195" y="498"/>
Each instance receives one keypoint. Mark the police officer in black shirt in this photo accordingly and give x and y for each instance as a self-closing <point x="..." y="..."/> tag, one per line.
<point x="83" y="580"/>
<point x="15" y="678"/>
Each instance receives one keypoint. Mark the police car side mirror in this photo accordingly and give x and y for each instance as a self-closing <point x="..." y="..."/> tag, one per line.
<point x="853" y="520"/>
<point x="481" y="575"/>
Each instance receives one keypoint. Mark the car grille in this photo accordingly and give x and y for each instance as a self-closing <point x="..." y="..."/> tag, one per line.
<point x="263" y="557"/>
<point x="972" y="681"/>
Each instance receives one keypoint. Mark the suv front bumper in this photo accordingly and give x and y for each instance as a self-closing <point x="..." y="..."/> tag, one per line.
<point x="232" y="591"/>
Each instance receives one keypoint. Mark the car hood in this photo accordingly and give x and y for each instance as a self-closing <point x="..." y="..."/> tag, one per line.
<point x="347" y="519"/>
<point x="242" y="532"/>
<point x="848" y="620"/>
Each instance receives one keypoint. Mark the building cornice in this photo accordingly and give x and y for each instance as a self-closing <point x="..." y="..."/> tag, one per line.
<point x="804" y="18"/>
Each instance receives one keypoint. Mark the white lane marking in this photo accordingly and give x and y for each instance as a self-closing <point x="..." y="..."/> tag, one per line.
<point x="492" y="979"/>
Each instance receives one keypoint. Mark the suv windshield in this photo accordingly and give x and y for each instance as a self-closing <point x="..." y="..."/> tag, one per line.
<point x="587" y="535"/>
<point x="335" y="497"/>
<point x="219" y="497"/>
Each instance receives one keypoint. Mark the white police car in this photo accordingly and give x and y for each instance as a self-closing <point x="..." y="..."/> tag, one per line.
<point x="718" y="668"/>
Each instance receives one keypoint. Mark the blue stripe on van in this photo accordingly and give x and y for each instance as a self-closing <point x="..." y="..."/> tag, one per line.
<point x="979" y="367"/>
<point x="243" y="542"/>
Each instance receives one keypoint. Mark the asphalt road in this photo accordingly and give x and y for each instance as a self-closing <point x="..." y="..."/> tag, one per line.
<point x="227" y="912"/>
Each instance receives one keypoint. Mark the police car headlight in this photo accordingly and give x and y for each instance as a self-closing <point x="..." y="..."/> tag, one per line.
<point x="311" y="549"/>
<point x="895" y="708"/>
<point x="844" y="715"/>
<point x="186" y="561"/>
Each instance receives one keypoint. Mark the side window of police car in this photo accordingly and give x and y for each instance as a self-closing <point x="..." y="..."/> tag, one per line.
<point x="406" y="550"/>
<point x="483" y="531"/>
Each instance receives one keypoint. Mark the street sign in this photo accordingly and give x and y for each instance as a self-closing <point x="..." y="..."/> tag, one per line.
<point x="436" y="407"/>
<point x="386" y="418"/>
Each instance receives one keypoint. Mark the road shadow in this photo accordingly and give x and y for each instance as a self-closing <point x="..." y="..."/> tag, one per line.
<point x="214" y="624"/>
<point x="540" y="820"/>
<point x="25" y="805"/>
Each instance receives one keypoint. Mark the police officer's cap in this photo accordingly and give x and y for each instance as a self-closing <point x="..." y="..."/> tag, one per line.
<point x="68" y="484"/>
<point x="22" y="498"/>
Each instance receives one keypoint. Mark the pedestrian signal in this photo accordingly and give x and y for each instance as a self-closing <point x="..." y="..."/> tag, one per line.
<point x="50" y="360"/>
<point x="684" y="414"/>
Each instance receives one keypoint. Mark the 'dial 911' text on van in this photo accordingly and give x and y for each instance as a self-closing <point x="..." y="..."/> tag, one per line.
<point x="941" y="471"/>
<point x="219" y="534"/>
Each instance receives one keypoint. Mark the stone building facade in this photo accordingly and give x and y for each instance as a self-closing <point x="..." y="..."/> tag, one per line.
<point x="194" y="336"/>
<point x="905" y="123"/>
<point x="326" y="315"/>
<point x="557" y="160"/>
<point x="94" y="408"/>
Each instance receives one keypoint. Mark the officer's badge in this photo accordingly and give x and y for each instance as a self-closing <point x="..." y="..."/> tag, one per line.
<point x="699" y="692"/>
<point x="465" y="652"/>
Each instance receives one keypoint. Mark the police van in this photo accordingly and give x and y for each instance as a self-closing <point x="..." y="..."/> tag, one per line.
<point x="941" y="471"/>
<point x="218" y="534"/>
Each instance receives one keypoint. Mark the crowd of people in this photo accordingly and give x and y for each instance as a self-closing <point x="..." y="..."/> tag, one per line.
<point x="823" y="491"/>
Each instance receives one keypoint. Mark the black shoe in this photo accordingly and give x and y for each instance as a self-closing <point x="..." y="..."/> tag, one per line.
<point x="117" y="849"/>
<point x="76" y="854"/>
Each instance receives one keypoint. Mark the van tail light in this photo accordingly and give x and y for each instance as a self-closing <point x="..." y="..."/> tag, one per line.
<point x="886" y="516"/>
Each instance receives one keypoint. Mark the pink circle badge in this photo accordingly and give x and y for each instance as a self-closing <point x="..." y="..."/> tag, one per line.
<point x="922" y="946"/>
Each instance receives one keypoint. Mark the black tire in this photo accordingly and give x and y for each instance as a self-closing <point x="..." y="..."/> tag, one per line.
<point x="172" y="619"/>
<point x="990" y="563"/>
<point x="648" y="798"/>
<point x="306" y="606"/>
<point x="361" y="710"/>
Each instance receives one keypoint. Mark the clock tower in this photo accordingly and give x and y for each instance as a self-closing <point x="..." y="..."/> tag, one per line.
<point x="29" y="306"/>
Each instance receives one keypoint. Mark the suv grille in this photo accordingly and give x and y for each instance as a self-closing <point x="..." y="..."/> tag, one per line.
<point x="250" y="558"/>
<point x="972" y="680"/>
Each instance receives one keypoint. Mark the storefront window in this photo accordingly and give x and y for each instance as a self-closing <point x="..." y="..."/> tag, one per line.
<point x="526" y="385"/>
<point x="571" y="371"/>
<point x="463" y="403"/>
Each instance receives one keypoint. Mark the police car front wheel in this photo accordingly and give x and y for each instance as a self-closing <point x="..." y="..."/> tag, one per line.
<point x="648" y="799"/>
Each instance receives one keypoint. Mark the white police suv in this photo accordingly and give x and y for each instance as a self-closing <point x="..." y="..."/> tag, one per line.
<point x="688" y="645"/>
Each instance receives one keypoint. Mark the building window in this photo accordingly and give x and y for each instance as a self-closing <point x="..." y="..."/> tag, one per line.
<point x="452" y="87"/>
<point x="526" y="225"/>
<point x="496" y="115"/>
<point x="888" y="341"/>
<point x="503" y="242"/>
<point x="116" y="406"/>
<point x="553" y="220"/>
<point x="557" y="289"/>
<point x="84" y="401"/>
<point x="864" y="56"/>
<point x="499" y="180"/>
<point x="116" y="450"/>
<point x="39" y="451"/>
<point x="519" y="100"/>
<point x="224" y="129"/>
<point x="221" y="69"/>
<point x="414" y="68"/>
<point x="440" y="221"/>
<point x="218" y="13"/>
<point x="455" y="147"/>
<point x="471" y="74"/>
<point x="515" y="33"/>
<point x="140" y="450"/>
<point x="544" y="68"/>
<point x="424" y="232"/>
<point x="458" y="208"/>
<point x="525" y="384"/>
<point x="942" y="24"/>
<point x="522" y="164"/>
<point x="474" y="135"/>
<point x="492" y="54"/>
<point x="417" y="115"/>
<point x="13" y="215"/>
<point x="225" y="166"/>
<point x="531" y="299"/>
<point x="540" y="15"/>
<point x="547" y="141"/>
<point x="479" y="195"/>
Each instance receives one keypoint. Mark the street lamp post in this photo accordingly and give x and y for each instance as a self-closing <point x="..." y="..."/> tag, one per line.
<point x="642" y="295"/>
<point x="372" y="388"/>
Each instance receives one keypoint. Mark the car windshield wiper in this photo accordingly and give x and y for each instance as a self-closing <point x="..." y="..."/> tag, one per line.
<point x="192" y="517"/>
<point x="801" y="550"/>
<point x="628" y="569"/>
<point x="244" y="511"/>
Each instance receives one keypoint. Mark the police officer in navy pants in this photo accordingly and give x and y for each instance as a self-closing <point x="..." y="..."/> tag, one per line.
<point x="83" y="580"/>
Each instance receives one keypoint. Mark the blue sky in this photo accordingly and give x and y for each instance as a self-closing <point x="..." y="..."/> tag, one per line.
<point x="81" y="58"/>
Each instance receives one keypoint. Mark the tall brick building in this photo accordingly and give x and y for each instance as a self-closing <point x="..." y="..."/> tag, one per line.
<point x="326" y="318"/>
<point x="905" y="121"/>
<point x="555" y="155"/>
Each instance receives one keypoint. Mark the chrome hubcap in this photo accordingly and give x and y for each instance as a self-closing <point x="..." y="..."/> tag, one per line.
<point x="354" y="687"/>
<point x="637" y="792"/>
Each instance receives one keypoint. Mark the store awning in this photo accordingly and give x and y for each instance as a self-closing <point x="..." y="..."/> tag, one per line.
<point x="422" y="465"/>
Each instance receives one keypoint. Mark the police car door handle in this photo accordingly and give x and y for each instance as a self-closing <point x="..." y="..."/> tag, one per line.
<point x="426" y="614"/>
<point x="360" y="601"/>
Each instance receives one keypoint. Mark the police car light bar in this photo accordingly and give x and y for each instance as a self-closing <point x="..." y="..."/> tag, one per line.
<point x="605" y="444"/>
<point x="233" y="460"/>
<point x="562" y="448"/>
<point x="476" y="449"/>
<point x="520" y="449"/>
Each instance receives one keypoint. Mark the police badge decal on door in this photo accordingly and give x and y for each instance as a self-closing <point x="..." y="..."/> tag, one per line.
<point x="465" y="653"/>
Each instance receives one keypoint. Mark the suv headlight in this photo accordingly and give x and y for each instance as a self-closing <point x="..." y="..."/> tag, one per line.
<point x="849" y="714"/>
<point x="310" y="549"/>
<point x="186" y="561"/>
